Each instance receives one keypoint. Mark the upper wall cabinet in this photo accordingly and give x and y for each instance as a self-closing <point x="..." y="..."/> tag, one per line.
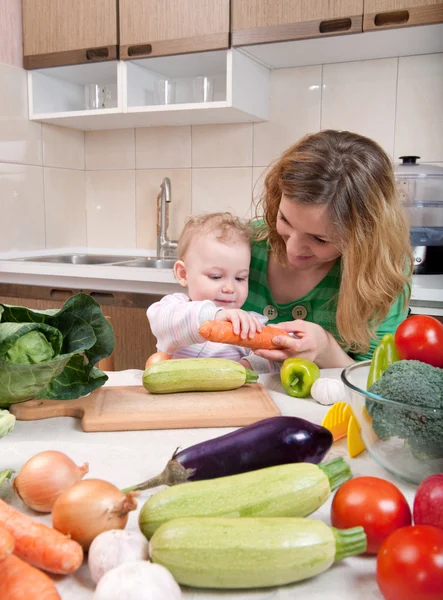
<point x="67" y="32"/>
<point x="164" y="27"/>
<point x="262" y="21"/>
<point x="387" y="14"/>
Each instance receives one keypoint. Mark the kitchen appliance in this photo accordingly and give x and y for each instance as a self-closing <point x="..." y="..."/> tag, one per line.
<point x="420" y="187"/>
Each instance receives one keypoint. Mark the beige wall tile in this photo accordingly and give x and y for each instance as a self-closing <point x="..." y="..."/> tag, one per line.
<point x="360" y="97"/>
<point x="294" y="111"/>
<point x="222" y="145"/>
<point x="163" y="147"/>
<point x="110" y="209"/>
<point x="419" y="123"/>
<point x="20" y="139"/>
<point x="65" y="211"/>
<point x="22" y="222"/>
<point x="11" y="36"/>
<point x="110" y="149"/>
<point x="258" y="181"/>
<point x="147" y="189"/>
<point x="63" y="147"/>
<point x="217" y="190"/>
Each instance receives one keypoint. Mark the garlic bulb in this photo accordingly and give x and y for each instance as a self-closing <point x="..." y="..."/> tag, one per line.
<point x="328" y="391"/>
<point x="139" y="580"/>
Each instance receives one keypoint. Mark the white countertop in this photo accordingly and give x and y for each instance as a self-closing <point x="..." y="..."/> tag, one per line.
<point x="126" y="458"/>
<point x="427" y="288"/>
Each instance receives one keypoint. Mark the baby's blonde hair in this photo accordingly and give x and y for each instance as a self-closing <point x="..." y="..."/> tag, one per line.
<point x="227" y="227"/>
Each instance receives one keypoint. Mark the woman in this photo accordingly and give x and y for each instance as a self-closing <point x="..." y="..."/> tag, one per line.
<point x="332" y="260"/>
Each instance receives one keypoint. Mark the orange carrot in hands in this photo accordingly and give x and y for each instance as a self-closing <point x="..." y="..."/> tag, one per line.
<point x="20" y="581"/>
<point x="7" y="544"/>
<point x="222" y="332"/>
<point x="39" y="544"/>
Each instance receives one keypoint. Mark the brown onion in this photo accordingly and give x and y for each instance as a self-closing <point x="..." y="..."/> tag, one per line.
<point x="90" y="507"/>
<point x="44" y="477"/>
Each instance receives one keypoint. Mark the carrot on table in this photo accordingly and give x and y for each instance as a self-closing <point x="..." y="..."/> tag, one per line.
<point x="7" y="543"/>
<point x="20" y="581"/>
<point x="221" y="332"/>
<point x="40" y="545"/>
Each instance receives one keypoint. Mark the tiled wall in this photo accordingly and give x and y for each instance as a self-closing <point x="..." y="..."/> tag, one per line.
<point x="398" y="102"/>
<point x="65" y="188"/>
<point x="42" y="168"/>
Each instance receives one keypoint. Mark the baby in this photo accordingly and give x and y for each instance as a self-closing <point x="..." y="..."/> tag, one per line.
<point x="214" y="255"/>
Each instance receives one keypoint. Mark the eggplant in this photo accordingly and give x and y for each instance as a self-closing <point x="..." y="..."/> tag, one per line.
<point x="267" y="443"/>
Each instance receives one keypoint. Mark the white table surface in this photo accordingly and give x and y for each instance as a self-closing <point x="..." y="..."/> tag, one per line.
<point x="126" y="458"/>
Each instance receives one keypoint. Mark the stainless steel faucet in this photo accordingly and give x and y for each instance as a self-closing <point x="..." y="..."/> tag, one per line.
<point x="165" y="247"/>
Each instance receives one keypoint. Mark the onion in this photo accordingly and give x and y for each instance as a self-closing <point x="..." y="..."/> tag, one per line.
<point x="90" y="507"/>
<point x="113" y="548"/>
<point x="44" y="477"/>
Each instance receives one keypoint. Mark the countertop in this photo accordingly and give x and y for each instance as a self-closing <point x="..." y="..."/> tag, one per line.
<point x="427" y="289"/>
<point x="126" y="458"/>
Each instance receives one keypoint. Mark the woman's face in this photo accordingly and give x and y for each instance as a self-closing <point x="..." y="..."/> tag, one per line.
<point x="307" y="233"/>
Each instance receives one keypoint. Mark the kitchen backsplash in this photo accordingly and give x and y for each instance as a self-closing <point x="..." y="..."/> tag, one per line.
<point x="66" y="188"/>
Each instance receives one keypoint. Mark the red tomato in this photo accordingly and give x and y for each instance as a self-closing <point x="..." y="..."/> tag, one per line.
<point x="420" y="338"/>
<point x="410" y="564"/>
<point x="375" y="504"/>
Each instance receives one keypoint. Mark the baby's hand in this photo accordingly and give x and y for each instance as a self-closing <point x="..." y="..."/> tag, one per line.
<point x="242" y="322"/>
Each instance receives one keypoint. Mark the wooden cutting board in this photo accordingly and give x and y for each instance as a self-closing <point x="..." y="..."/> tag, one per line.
<point x="129" y="408"/>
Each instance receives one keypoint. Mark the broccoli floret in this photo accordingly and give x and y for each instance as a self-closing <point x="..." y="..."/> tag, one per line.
<point x="410" y="382"/>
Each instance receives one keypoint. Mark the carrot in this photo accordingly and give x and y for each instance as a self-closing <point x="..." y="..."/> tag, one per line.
<point x="39" y="544"/>
<point x="20" y="581"/>
<point x="221" y="332"/>
<point x="7" y="543"/>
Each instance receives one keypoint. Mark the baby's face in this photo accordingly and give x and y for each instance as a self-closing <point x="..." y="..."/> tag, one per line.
<point x="218" y="271"/>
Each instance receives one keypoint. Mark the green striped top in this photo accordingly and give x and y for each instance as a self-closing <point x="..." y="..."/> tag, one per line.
<point x="317" y="306"/>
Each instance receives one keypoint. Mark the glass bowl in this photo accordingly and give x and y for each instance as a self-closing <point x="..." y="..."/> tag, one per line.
<point x="411" y="445"/>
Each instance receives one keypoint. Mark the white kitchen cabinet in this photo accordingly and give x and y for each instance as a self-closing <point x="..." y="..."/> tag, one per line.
<point x="240" y="92"/>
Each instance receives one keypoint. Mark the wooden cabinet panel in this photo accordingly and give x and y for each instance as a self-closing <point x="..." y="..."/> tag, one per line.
<point x="61" y="32"/>
<point x="262" y="21"/>
<point x="387" y="14"/>
<point x="162" y="27"/>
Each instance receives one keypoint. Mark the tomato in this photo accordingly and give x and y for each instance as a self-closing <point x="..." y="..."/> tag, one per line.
<point x="420" y="338"/>
<point x="410" y="564"/>
<point x="157" y="357"/>
<point x="375" y="504"/>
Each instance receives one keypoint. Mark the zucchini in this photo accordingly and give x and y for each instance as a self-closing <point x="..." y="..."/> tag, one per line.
<point x="250" y="553"/>
<point x="293" y="490"/>
<point x="196" y="375"/>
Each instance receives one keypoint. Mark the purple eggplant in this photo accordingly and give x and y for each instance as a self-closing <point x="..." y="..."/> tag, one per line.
<point x="274" y="441"/>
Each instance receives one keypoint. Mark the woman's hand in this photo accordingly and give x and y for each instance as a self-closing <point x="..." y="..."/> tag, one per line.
<point x="311" y="342"/>
<point x="243" y="323"/>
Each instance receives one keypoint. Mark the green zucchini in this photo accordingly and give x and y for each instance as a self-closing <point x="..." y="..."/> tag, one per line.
<point x="292" y="490"/>
<point x="250" y="553"/>
<point x="196" y="375"/>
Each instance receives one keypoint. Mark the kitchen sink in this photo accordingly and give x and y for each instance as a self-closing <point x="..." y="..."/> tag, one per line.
<point x="103" y="259"/>
<point x="78" y="259"/>
<point x="150" y="263"/>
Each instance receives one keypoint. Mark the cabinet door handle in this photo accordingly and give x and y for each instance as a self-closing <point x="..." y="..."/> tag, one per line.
<point x="97" y="54"/>
<point x="335" y="25"/>
<point x="103" y="297"/>
<point x="395" y="17"/>
<point x="141" y="50"/>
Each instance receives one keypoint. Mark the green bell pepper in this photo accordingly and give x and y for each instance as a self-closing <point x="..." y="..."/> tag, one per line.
<point x="297" y="376"/>
<point x="384" y="355"/>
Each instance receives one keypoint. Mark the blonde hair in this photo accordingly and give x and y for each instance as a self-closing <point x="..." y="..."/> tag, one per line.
<point x="227" y="227"/>
<point x="353" y="177"/>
